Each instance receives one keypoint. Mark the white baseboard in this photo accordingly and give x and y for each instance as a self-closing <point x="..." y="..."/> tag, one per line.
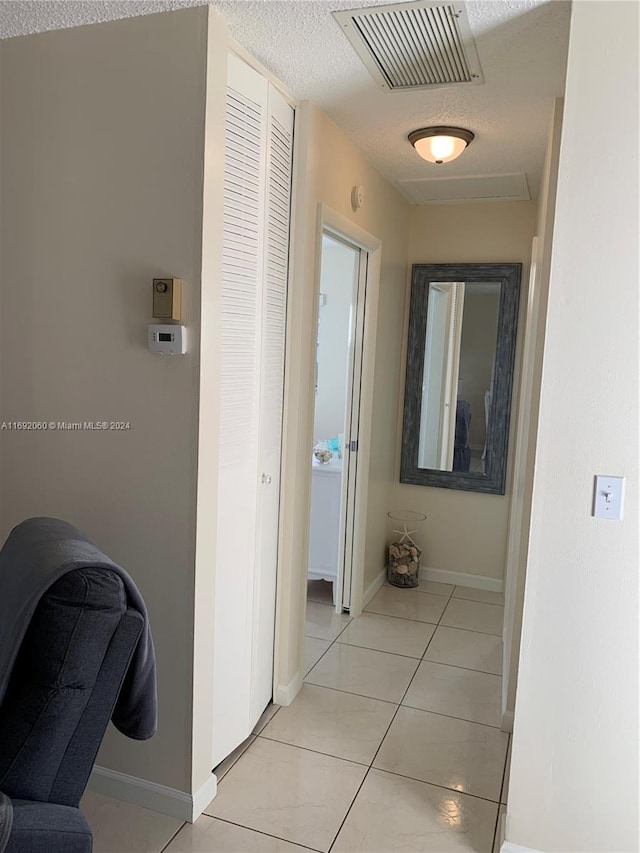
<point x="373" y="587"/>
<point x="502" y="829"/>
<point x="510" y="847"/>
<point x="507" y="721"/>
<point x="149" y="795"/>
<point x="286" y="693"/>
<point x="462" y="579"/>
<point x="203" y="797"/>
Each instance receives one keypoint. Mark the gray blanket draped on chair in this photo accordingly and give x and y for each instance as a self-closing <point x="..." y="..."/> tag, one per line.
<point x="6" y="819"/>
<point x="39" y="552"/>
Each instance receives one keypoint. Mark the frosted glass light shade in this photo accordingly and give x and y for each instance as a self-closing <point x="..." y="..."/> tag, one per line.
<point x="440" y="144"/>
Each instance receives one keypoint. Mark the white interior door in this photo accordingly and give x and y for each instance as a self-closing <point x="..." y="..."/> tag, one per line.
<point x="276" y="266"/>
<point x="258" y="147"/>
<point x="351" y="431"/>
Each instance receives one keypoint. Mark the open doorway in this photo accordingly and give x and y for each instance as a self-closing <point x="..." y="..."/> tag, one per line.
<point x="334" y="460"/>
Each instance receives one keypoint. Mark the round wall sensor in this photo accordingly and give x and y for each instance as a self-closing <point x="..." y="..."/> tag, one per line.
<point x="357" y="197"/>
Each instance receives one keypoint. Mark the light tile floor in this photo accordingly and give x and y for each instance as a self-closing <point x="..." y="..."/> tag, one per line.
<point x="393" y="743"/>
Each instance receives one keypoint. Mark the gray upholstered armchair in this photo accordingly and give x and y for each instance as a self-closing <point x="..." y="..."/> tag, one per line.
<point x="78" y="650"/>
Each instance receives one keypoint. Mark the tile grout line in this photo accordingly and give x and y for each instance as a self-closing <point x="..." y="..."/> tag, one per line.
<point x="504" y="775"/>
<point x="304" y="675"/>
<point x="404" y="697"/>
<point x="413" y="708"/>
<point x="261" y="832"/>
<point x="394" y="772"/>
<point x="393" y="616"/>
<point x="399" y="705"/>
<point x="470" y="630"/>
<point x="324" y="639"/>
<point x="479" y="601"/>
<point x="500" y="804"/>
<point x="351" y="693"/>
<point x="173" y="837"/>
<point x="333" y="642"/>
<point x="384" y="652"/>
<point x="315" y="751"/>
<point x="383" y="737"/>
<point x="455" y="666"/>
<point x="420" y="622"/>
<point x="449" y="717"/>
<point x="438" y="623"/>
<point x="355" y="797"/>
<point x="374" y="755"/>
<point x="435" y="785"/>
<point x="466" y="668"/>
<point x="422" y="659"/>
<point x="504" y="772"/>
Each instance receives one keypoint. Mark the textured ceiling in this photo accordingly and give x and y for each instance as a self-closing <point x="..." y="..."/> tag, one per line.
<point x="522" y="45"/>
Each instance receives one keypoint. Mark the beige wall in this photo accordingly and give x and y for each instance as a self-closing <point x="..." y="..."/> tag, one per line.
<point x="328" y="166"/>
<point x="103" y="130"/>
<point x="526" y="414"/>
<point x="574" y="771"/>
<point x="466" y="531"/>
<point x="336" y="167"/>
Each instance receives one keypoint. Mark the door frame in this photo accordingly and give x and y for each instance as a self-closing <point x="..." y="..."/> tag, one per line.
<point x="330" y="221"/>
<point x="302" y="323"/>
<point x="351" y="419"/>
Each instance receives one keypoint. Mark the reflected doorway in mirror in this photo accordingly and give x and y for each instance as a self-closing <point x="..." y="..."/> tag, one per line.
<point x="459" y="376"/>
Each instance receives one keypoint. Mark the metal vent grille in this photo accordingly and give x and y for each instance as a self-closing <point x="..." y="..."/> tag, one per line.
<point x="414" y="45"/>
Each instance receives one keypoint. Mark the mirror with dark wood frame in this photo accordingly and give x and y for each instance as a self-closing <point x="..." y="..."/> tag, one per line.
<point x="459" y="375"/>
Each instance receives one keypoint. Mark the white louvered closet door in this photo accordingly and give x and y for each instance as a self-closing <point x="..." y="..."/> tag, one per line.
<point x="258" y="151"/>
<point x="274" y="306"/>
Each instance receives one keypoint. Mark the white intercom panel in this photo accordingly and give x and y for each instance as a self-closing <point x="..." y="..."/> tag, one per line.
<point x="167" y="339"/>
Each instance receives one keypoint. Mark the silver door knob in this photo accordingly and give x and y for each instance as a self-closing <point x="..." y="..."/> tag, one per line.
<point x="266" y="479"/>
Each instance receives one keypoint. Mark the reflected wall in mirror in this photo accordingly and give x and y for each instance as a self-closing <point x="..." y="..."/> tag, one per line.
<point x="461" y="349"/>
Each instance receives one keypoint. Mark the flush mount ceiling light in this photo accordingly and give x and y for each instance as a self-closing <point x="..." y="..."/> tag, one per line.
<point x="440" y="144"/>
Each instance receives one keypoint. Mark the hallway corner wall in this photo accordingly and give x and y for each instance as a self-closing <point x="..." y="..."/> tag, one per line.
<point x="328" y="166"/>
<point x="103" y="130"/>
<point x="527" y="412"/>
<point x="575" y="771"/>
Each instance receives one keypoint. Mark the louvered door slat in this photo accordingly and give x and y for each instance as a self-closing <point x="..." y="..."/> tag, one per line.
<point x="240" y="280"/>
<point x="277" y="249"/>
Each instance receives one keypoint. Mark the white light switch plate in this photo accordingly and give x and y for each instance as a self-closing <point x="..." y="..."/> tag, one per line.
<point x="608" y="497"/>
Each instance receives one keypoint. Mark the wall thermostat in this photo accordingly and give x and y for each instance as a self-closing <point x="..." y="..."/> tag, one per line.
<point x="167" y="298"/>
<point x="167" y="340"/>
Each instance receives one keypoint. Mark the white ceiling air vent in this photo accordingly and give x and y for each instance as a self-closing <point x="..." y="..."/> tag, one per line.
<point x="465" y="189"/>
<point x="414" y="45"/>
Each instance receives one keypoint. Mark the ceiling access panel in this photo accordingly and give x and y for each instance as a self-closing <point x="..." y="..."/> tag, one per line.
<point x="511" y="187"/>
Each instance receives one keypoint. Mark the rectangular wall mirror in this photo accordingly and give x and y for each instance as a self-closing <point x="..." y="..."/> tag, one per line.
<point x="459" y="375"/>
